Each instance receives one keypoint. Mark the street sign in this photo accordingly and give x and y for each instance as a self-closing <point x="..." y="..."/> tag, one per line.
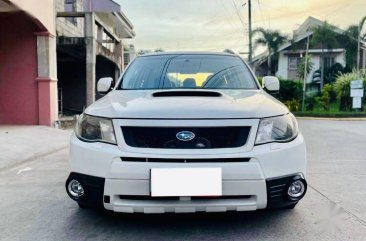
<point x="357" y="93"/>
<point x="356" y="84"/>
<point x="356" y="103"/>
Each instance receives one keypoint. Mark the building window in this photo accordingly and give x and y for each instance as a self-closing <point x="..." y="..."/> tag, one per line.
<point x="293" y="62"/>
<point x="70" y="6"/>
<point x="126" y="58"/>
<point x="329" y="62"/>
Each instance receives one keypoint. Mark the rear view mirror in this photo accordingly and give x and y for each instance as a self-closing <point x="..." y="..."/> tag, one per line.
<point x="104" y="85"/>
<point x="271" y="84"/>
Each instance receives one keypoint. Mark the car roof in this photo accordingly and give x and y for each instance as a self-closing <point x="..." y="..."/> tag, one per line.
<point x="187" y="53"/>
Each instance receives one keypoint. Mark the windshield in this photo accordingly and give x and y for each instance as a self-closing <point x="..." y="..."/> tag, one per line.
<point x="188" y="72"/>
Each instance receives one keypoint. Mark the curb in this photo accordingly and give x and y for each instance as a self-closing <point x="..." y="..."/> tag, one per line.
<point x="333" y="118"/>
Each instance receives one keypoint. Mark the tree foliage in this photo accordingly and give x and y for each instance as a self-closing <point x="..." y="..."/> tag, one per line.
<point x="325" y="36"/>
<point x="272" y="40"/>
<point x="350" y="38"/>
<point x="309" y="66"/>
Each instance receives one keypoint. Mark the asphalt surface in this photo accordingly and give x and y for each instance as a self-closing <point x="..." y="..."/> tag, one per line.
<point x="34" y="205"/>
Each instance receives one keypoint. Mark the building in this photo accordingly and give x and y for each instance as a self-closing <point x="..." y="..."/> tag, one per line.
<point x="51" y="61"/>
<point x="28" y="76"/>
<point x="290" y="54"/>
<point x="90" y="45"/>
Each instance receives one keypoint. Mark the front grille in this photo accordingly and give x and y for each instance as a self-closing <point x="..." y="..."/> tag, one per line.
<point x="173" y="160"/>
<point x="205" y="137"/>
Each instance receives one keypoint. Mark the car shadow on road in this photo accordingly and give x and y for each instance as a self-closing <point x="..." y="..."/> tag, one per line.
<point x="180" y="226"/>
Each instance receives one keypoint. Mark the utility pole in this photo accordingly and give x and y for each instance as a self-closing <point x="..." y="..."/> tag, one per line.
<point x="305" y="73"/>
<point x="360" y="26"/>
<point x="358" y="49"/>
<point x="250" y="32"/>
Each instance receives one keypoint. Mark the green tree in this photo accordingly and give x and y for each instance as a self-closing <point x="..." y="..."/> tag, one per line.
<point x="309" y="66"/>
<point x="143" y="51"/>
<point x="325" y="36"/>
<point x="350" y="43"/>
<point x="359" y="38"/>
<point x="272" y="40"/>
<point x="159" y="50"/>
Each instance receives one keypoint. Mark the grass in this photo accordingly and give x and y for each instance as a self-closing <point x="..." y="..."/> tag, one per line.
<point x="333" y="112"/>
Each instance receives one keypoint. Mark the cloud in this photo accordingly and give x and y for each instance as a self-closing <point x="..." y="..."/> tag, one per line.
<point x="215" y="25"/>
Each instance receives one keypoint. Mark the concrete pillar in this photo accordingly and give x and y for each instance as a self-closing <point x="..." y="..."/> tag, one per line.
<point x="90" y="37"/>
<point x="117" y="73"/>
<point x="118" y="54"/>
<point x="47" y="79"/>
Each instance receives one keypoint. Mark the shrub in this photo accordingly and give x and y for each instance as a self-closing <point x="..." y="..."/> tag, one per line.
<point x="325" y="97"/>
<point x="342" y="88"/>
<point x="292" y="105"/>
<point x="331" y="74"/>
<point x="260" y="80"/>
<point x="290" y="90"/>
<point x="310" y="102"/>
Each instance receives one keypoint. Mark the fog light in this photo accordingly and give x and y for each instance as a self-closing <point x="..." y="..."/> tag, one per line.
<point x="296" y="189"/>
<point x="75" y="188"/>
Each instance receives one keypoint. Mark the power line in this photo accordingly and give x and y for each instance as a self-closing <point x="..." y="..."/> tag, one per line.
<point x="238" y="14"/>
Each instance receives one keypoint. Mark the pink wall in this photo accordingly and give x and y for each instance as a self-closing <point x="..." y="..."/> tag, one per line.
<point x="18" y="70"/>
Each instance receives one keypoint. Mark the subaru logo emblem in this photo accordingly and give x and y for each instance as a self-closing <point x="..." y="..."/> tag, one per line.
<point x="185" y="136"/>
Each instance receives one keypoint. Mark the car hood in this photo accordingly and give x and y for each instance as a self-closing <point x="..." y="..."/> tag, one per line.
<point x="145" y="105"/>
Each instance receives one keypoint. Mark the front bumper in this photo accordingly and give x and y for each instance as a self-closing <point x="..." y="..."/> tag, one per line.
<point x="99" y="194"/>
<point x="245" y="185"/>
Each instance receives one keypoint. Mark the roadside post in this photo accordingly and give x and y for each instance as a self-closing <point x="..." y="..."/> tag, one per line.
<point x="357" y="93"/>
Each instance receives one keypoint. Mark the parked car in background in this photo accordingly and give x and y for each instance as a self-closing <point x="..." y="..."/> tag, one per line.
<point x="187" y="132"/>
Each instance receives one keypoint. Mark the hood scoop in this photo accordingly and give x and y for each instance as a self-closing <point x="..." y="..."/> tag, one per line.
<point x="187" y="93"/>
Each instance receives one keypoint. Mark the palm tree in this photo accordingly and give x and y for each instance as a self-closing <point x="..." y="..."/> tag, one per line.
<point x="325" y="36"/>
<point x="272" y="40"/>
<point x="350" y="42"/>
<point x="359" y="38"/>
<point x="351" y="34"/>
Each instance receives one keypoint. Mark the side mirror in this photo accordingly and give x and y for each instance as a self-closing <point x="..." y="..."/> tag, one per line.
<point x="271" y="84"/>
<point x="104" y="85"/>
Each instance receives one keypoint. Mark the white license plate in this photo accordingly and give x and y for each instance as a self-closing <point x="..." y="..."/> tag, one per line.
<point x="186" y="182"/>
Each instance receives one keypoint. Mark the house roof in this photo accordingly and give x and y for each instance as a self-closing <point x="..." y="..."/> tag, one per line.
<point x="117" y="23"/>
<point x="101" y="6"/>
<point x="109" y="12"/>
<point x="304" y="30"/>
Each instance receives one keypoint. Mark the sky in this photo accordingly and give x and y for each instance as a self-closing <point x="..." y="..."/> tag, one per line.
<point x="215" y="25"/>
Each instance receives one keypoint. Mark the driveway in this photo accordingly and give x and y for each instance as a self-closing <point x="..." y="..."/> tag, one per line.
<point x="34" y="205"/>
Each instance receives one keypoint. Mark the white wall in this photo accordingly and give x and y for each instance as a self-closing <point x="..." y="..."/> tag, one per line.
<point x="283" y="64"/>
<point x="316" y="66"/>
<point x="341" y="58"/>
<point x="282" y="71"/>
<point x="43" y="10"/>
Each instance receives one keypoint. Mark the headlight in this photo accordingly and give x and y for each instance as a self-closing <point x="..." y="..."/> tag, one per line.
<point x="95" y="129"/>
<point x="277" y="129"/>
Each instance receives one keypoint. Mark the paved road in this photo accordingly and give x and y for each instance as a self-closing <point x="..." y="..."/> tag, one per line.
<point x="24" y="143"/>
<point x="34" y="206"/>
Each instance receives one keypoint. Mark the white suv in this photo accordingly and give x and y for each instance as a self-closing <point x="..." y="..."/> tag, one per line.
<point x="187" y="132"/>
